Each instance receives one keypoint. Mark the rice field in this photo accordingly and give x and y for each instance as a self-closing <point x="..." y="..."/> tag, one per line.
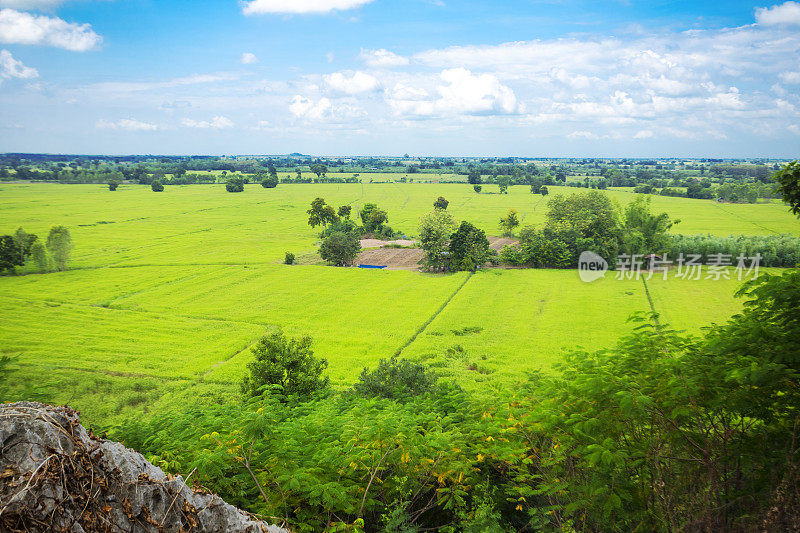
<point x="167" y="291"/>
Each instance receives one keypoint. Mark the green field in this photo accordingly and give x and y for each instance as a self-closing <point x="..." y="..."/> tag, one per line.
<point x="167" y="291"/>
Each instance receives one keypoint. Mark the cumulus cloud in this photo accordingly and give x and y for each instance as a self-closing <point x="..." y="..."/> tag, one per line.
<point x="323" y="109"/>
<point x="359" y="82"/>
<point x="643" y="134"/>
<point x="217" y="123"/>
<point x="248" y="58"/>
<point x="257" y="7"/>
<point x="13" y="68"/>
<point x="786" y="13"/>
<point x="17" y="27"/>
<point x="461" y="93"/>
<point x="790" y="77"/>
<point x="382" y="58"/>
<point x="129" y="124"/>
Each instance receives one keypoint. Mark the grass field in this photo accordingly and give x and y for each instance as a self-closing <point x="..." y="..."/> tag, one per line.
<point x="167" y="291"/>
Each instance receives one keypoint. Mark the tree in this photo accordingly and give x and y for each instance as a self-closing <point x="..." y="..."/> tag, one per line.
<point x="24" y="241"/>
<point x="469" y="248"/>
<point x="588" y="221"/>
<point x="644" y="232"/>
<point x="503" y="182"/>
<point x="59" y="244"/>
<point x="321" y="214"/>
<point x="319" y="169"/>
<point x="288" y="259"/>
<point x="509" y="222"/>
<point x="543" y="191"/>
<point x="434" y="231"/>
<point x="344" y="211"/>
<point x="112" y="185"/>
<point x="157" y="186"/>
<point x="340" y="248"/>
<point x="441" y="203"/>
<point x="788" y="179"/>
<point x="286" y="364"/>
<point x="269" y="182"/>
<point x="373" y="217"/>
<point x="39" y="255"/>
<point x="474" y="177"/>
<point x="10" y="254"/>
<point x="477" y="188"/>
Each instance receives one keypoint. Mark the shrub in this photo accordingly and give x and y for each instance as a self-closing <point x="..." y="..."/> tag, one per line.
<point x="234" y="185"/>
<point x="10" y="254"/>
<point x="441" y="203"/>
<point x="270" y="182"/>
<point x="112" y="185"/>
<point x="286" y="365"/>
<point x="288" y="258"/>
<point x="157" y="186"/>
<point x="477" y="188"/>
<point x="395" y="379"/>
<point x="39" y="255"/>
<point x="469" y="248"/>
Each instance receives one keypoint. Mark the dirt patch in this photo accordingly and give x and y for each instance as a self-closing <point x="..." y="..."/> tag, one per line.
<point x="393" y="258"/>
<point x="377" y="243"/>
<point x="497" y="243"/>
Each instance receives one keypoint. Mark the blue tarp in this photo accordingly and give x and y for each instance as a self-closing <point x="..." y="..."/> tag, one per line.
<point x="371" y="266"/>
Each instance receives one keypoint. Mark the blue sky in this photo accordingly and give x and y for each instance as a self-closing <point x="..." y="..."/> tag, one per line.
<point x="386" y="77"/>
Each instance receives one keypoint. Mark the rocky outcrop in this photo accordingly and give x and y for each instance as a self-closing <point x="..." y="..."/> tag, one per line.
<point x="56" y="476"/>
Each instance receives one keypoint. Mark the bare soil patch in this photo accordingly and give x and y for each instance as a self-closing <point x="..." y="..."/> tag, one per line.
<point x="393" y="258"/>
<point x="497" y="243"/>
<point x="377" y="243"/>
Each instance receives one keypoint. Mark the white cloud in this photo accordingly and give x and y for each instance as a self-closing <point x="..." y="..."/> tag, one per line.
<point x="582" y="135"/>
<point x="129" y="124"/>
<point x="643" y="134"/>
<point x="257" y="7"/>
<point x="786" y="13"/>
<point x="248" y="58"/>
<point x="383" y="58"/>
<point x="217" y="123"/>
<point x="13" y="68"/>
<point x="17" y="27"/>
<point x="790" y="77"/>
<point x="303" y="107"/>
<point x="359" y="82"/>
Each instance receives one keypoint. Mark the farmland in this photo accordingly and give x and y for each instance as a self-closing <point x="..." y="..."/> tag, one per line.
<point x="166" y="292"/>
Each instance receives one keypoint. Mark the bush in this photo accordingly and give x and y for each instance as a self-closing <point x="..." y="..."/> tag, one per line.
<point x="234" y="185"/>
<point x="441" y="203"/>
<point x="395" y="379"/>
<point x="477" y="188"/>
<point x="285" y="365"/>
<point x="288" y="258"/>
<point x="340" y="248"/>
<point x="157" y="186"/>
<point x="112" y="185"/>
<point x="39" y="255"/>
<point x="469" y="248"/>
<point x="270" y="182"/>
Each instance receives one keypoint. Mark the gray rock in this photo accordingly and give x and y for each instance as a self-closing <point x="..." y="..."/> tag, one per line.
<point x="56" y="476"/>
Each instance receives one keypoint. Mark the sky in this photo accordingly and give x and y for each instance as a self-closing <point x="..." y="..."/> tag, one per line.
<point x="528" y="78"/>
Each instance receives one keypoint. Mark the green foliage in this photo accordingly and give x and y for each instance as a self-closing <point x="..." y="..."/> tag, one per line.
<point x="644" y="232"/>
<point x="509" y="222"/>
<point x="477" y="188"/>
<point x="344" y="211"/>
<point x="543" y="190"/>
<point x="434" y="231"/>
<point x="234" y="185"/>
<point x="788" y="179"/>
<point x="24" y="241"/>
<point x="503" y="182"/>
<point x="286" y="366"/>
<point x="395" y="379"/>
<point x="270" y="181"/>
<point x="157" y="186"/>
<point x="321" y="214"/>
<point x="59" y="245"/>
<point x="112" y="185"/>
<point x="340" y="248"/>
<point x="468" y="249"/>
<point x="288" y="259"/>
<point x="538" y="249"/>
<point x="775" y="250"/>
<point x="10" y="254"/>
<point x="39" y="256"/>
<point x="441" y="203"/>
<point x="373" y="217"/>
